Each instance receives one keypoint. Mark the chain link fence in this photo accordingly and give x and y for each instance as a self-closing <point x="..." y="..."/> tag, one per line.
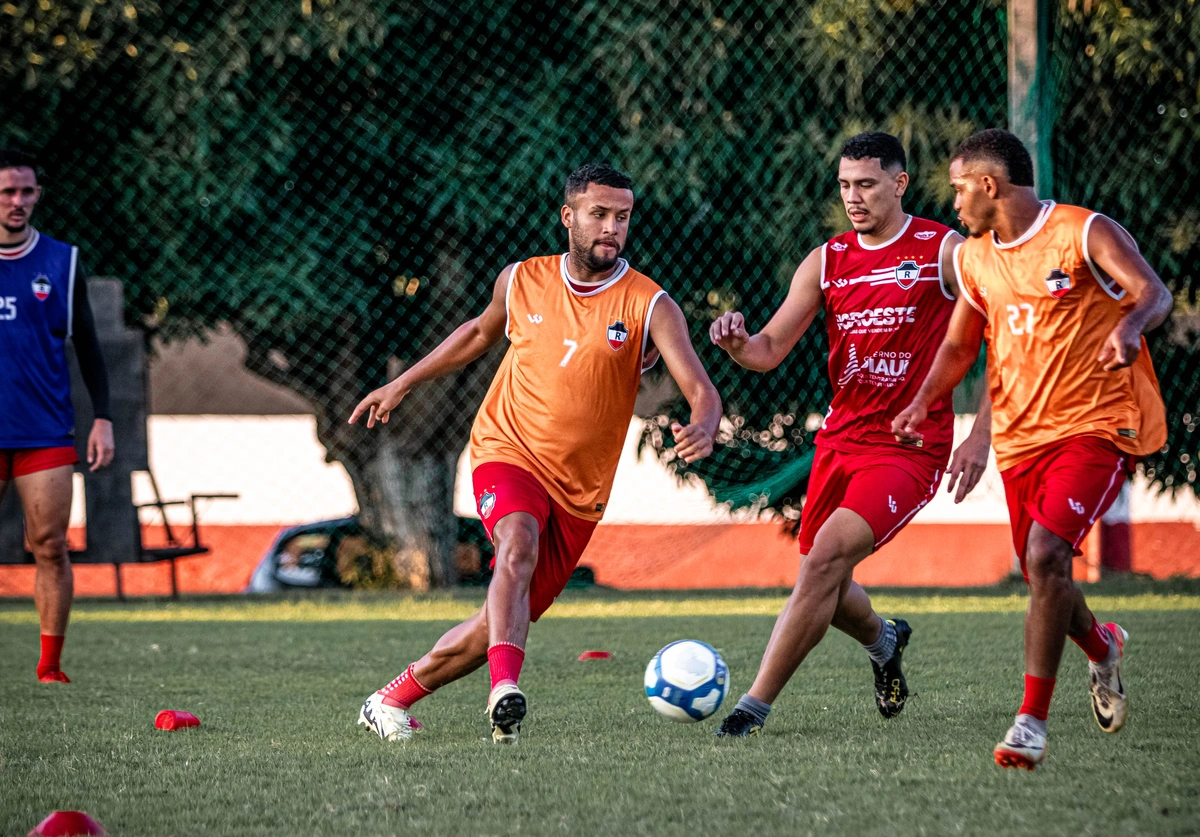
<point x="338" y="183"/>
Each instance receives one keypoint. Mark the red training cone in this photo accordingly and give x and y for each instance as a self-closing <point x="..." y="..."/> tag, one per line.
<point x="174" y="719"/>
<point x="595" y="655"/>
<point x="65" y="823"/>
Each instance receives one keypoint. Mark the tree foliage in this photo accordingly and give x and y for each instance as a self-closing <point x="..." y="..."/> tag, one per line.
<point x="341" y="181"/>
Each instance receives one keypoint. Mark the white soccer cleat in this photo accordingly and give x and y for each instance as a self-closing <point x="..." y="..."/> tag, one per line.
<point x="506" y="709"/>
<point x="390" y="723"/>
<point x="1109" y="702"/>
<point x="1023" y="746"/>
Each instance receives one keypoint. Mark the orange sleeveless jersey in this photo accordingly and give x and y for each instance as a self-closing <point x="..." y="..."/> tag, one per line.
<point x="1049" y="311"/>
<point x="562" y="399"/>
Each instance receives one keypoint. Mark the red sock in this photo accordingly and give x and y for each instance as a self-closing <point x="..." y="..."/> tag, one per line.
<point x="504" y="662"/>
<point x="48" y="670"/>
<point x="1038" y="691"/>
<point x="405" y="690"/>
<point x="1095" y="643"/>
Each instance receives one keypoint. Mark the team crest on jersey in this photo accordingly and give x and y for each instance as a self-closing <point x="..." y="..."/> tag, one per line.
<point x="1058" y="283"/>
<point x="839" y="246"/>
<point x="486" y="503"/>
<point x="617" y="335"/>
<point x="41" y="287"/>
<point x="907" y="274"/>
<point x="924" y="235"/>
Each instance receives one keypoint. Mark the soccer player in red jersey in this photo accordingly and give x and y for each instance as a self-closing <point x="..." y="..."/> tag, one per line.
<point x="582" y="327"/>
<point x="43" y="301"/>
<point x="1062" y="296"/>
<point x="888" y="292"/>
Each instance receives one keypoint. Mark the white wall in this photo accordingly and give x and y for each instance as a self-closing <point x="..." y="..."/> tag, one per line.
<point x="278" y="467"/>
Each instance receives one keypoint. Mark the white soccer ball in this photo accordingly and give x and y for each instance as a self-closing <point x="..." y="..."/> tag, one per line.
<point x="686" y="681"/>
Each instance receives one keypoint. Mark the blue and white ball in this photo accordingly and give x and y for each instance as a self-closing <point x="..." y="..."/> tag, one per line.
<point x="686" y="681"/>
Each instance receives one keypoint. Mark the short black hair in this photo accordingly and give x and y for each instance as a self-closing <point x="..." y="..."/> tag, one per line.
<point x="876" y="144"/>
<point x="599" y="173"/>
<point x="998" y="146"/>
<point x="13" y="158"/>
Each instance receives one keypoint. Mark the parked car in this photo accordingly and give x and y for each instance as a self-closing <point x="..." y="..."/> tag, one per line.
<point x="308" y="556"/>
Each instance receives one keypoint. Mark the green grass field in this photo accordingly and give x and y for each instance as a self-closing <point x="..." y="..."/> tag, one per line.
<point x="278" y="686"/>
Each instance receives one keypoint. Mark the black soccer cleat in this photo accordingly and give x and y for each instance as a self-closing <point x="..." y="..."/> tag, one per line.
<point x="891" y="690"/>
<point x="739" y="724"/>
<point x="506" y="709"/>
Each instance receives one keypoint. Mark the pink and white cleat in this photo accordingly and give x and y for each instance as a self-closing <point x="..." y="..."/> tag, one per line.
<point x="1109" y="701"/>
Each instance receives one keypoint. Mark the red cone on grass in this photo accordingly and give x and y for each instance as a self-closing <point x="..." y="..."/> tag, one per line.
<point x="65" y="823"/>
<point x="595" y="655"/>
<point x="174" y="719"/>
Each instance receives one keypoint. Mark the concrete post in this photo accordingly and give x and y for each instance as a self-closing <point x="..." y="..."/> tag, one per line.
<point x="1030" y="95"/>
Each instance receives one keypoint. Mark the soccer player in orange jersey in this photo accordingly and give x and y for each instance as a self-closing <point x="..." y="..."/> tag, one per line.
<point x="582" y="327"/>
<point x="1062" y="296"/>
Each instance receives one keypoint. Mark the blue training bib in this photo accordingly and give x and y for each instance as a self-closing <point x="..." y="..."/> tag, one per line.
<point x="37" y="289"/>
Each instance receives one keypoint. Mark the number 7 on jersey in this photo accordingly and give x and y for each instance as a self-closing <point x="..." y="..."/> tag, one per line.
<point x="571" y="347"/>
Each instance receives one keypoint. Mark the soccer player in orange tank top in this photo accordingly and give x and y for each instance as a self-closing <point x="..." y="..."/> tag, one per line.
<point x="582" y="328"/>
<point x="1063" y="297"/>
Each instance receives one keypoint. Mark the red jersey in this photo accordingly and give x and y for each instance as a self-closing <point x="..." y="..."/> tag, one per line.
<point x="886" y="311"/>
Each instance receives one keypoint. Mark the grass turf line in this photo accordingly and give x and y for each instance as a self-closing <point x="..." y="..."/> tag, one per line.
<point x="423" y="609"/>
<point x="279" y="754"/>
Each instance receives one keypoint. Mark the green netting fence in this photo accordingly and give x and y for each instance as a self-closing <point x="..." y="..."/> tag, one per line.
<point x="339" y="182"/>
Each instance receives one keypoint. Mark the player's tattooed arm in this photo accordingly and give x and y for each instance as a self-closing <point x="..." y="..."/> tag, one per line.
<point x="1117" y="257"/>
<point x="767" y="349"/>
<point x="669" y="331"/>
<point x="954" y="358"/>
<point x="465" y="344"/>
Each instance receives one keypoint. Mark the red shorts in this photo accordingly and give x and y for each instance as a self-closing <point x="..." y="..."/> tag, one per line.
<point x="885" y="488"/>
<point x="1064" y="488"/>
<point x="501" y="489"/>
<point x="18" y="462"/>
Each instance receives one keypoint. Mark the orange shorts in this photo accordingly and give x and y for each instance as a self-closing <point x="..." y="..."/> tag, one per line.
<point x="884" y="488"/>
<point x="501" y="489"/>
<point x="19" y="462"/>
<point x="1064" y="488"/>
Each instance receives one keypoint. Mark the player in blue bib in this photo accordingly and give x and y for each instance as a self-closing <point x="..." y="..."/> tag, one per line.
<point x="43" y="302"/>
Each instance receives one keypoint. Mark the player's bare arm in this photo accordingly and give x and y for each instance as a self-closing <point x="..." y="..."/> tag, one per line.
<point x="958" y="351"/>
<point x="669" y="331"/>
<point x="946" y="263"/>
<point x="764" y="351"/>
<point x="465" y="344"/>
<point x="969" y="459"/>
<point x="1117" y="256"/>
<point x="100" y="445"/>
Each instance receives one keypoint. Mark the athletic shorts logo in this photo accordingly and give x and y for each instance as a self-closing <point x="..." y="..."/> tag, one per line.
<point x="487" y="502"/>
<point x="925" y="235"/>
<point x="1075" y="506"/>
<point x="41" y="287"/>
<point x="838" y="246"/>
<point x="907" y="274"/>
<point x="617" y="335"/>
<point x="1058" y="283"/>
